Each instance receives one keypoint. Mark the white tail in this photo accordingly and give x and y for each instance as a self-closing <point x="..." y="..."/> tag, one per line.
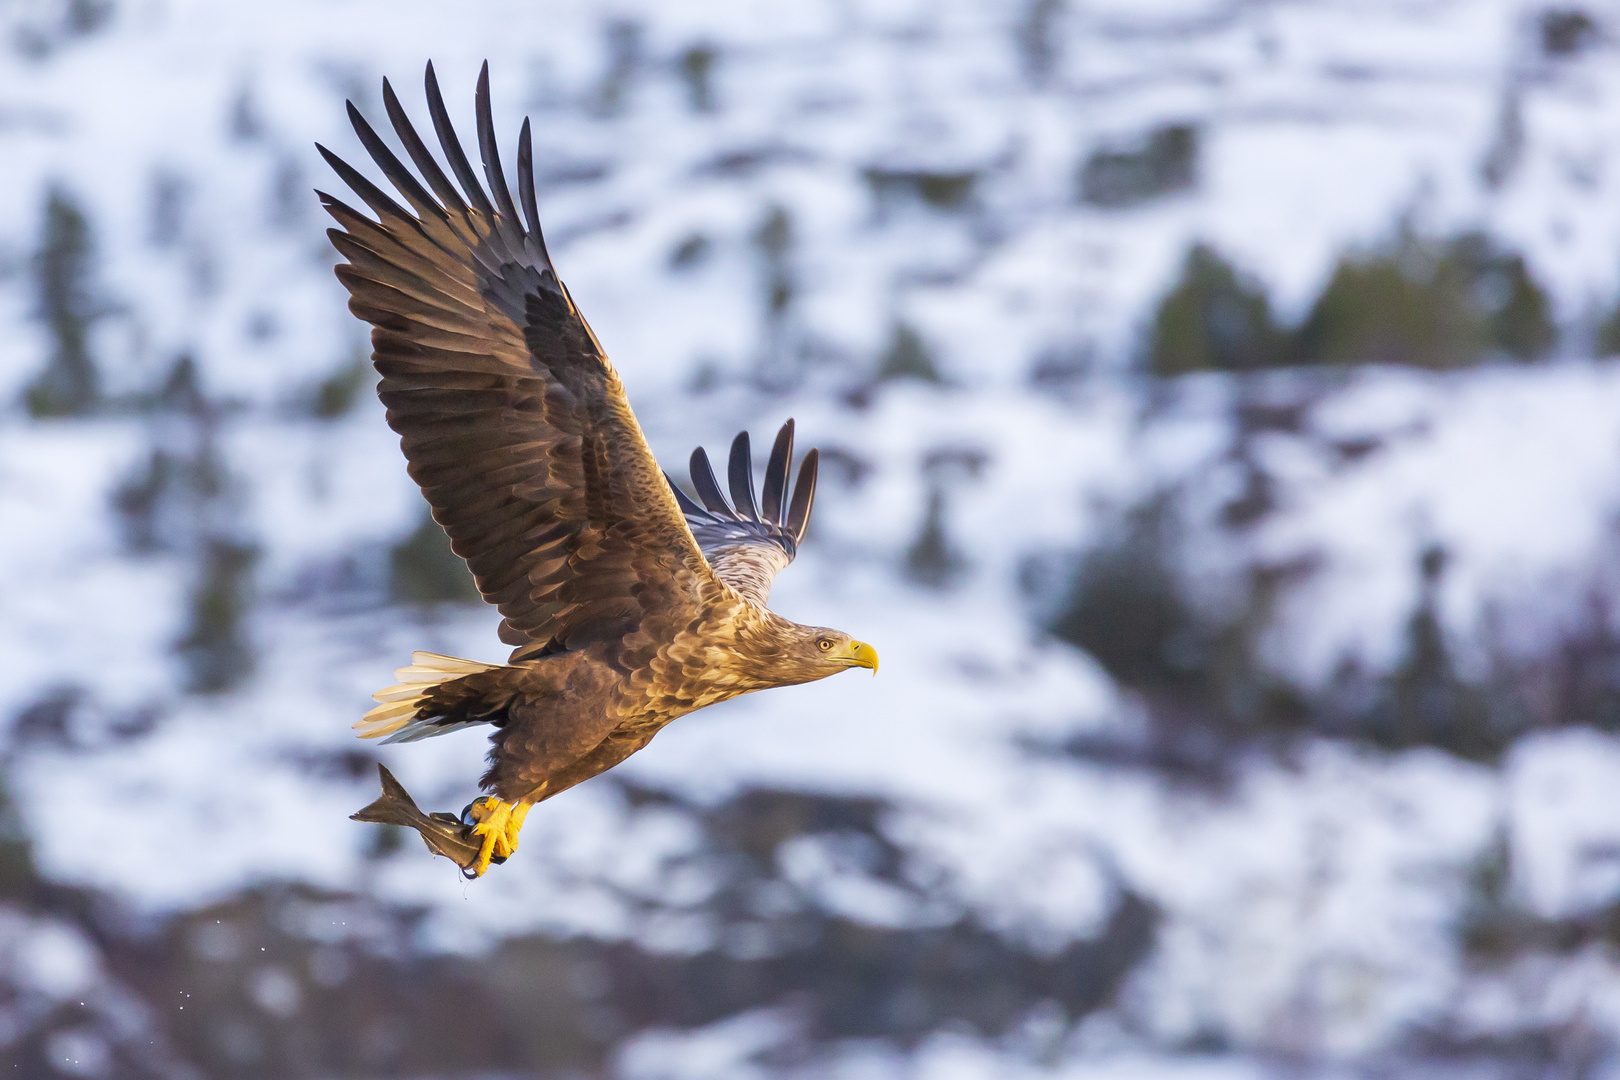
<point x="395" y="715"/>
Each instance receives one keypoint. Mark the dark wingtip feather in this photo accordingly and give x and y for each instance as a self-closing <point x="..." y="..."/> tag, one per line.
<point x="339" y="211"/>
<point x="369" y="193"/>
<point x="418" y="151"/>
<point x="740" y="474"/>
<point x="776" y="475"/>
<point x="451" y="145"/>
<point x="488" y="151"/>
<point x="391" y="166"/>
<point x="804" y="495"/>
<point x="708" y="488"/>
<point x="683" y="500"/>
<point x="531" y="210"/>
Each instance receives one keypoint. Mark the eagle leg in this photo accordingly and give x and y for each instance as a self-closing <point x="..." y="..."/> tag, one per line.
<point x="497" y="823"/>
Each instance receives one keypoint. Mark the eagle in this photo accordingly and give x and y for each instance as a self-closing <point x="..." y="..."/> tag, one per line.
<point x="627" y="602"/>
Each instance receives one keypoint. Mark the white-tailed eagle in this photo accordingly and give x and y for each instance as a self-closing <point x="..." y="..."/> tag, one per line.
<point x="628" y="603"/>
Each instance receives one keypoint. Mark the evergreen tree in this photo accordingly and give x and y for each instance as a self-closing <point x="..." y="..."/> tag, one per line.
<point x="68" y="385"/>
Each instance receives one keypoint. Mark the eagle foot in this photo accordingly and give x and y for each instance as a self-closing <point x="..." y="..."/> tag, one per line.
<point x="497" y="823"/>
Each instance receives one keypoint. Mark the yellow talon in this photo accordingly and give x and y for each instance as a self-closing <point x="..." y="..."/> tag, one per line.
<point x="498" y="823"/>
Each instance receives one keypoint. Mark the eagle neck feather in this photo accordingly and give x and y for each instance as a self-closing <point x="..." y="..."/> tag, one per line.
<point x="764" y="651"/>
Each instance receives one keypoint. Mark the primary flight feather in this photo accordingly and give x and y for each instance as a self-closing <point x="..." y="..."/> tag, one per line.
<point x="628" y="603"/>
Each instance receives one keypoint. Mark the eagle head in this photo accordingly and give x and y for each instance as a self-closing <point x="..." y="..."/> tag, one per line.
<point x="815" y="652"/>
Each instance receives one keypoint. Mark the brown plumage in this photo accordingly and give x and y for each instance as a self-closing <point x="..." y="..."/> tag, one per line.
<point x="627" y="602"/>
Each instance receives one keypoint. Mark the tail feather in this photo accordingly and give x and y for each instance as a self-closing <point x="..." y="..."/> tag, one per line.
<point x="396" y="719"/>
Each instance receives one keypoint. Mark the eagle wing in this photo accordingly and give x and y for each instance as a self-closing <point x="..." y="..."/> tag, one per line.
<point x="748" y="541"/>
<point x="512" y="419"/>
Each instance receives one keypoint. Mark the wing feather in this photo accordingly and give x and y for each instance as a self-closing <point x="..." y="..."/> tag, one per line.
<point x="451" y="145"/>
<point x="804" y="496"/>
<point x="490" y="152"/>
<point x="513" y="420"/>
<point x="526" y="190"/>
<point x="776" y="474"/>
<point x="708" y="488"/>
<point x="746" y="547"/>
<point x="450" y="203"/>
<point x="740" y="477"/>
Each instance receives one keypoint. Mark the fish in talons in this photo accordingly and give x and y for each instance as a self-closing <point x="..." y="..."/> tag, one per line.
<point x="456" y="838"/>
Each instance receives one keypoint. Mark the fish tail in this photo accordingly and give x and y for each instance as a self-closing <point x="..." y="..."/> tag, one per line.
<point x="393" y="807"/>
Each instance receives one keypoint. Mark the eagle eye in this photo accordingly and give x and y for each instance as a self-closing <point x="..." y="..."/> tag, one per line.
<point x="824" y="644"/>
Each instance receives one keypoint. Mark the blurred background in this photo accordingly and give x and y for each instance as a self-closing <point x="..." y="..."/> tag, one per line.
<point x="1221" y="444"/>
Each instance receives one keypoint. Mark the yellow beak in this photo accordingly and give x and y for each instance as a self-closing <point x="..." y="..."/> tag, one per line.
<point x="859" y="654"/>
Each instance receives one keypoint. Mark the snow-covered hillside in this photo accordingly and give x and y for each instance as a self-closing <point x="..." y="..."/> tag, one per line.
<point x="935" y="234"/>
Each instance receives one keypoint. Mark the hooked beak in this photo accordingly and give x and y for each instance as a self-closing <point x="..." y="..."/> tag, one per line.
<point x="859" y="654"/>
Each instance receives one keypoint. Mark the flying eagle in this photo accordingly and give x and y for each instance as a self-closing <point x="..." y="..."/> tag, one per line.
<point x="628" y="602"/>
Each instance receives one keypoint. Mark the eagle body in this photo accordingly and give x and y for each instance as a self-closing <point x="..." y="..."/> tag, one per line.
<point x="564" y="718"/>
<point x="628" y="603"/>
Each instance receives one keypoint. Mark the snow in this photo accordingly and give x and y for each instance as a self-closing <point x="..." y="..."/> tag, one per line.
<point x="1511" y="472"/>
<point x="1560" y="806"/>
<point x="1309" y="911"/>
<point x="52" y="958"/>
<point x="1321" y="914"/>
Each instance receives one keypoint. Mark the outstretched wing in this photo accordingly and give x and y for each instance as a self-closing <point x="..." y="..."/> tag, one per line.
<point x="747" y="541"/>
<point x="511" y="417"/>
